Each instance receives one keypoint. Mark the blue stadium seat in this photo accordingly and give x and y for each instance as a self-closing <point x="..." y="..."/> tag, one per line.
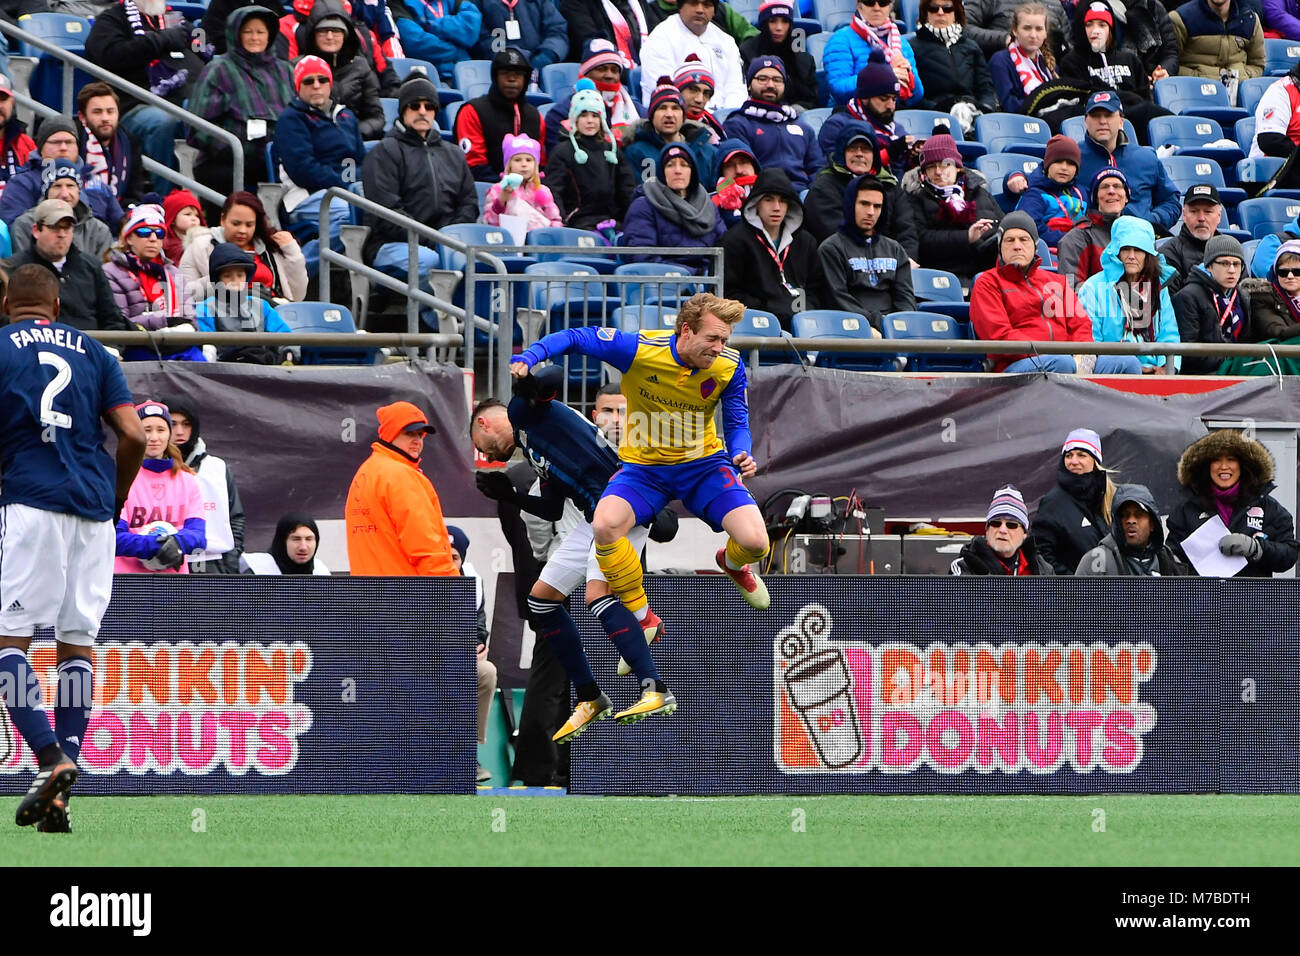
<point x="1260" y="169"/>
<point x="810" y="27"/>
<point x="559" y="78"/>
<point x="1263" y="217"/>
<point x="562" y="281"/>
<point x="391" y="113"/>
<point x="909" y="11"/>
<point x="564" y="236"/>
<point x="816" y="44"/>
<point x="474" y="234"/>
<point x="541" y="100"/>
<point x="327" y="317"/>
<point x="472" y="73"/>
<point x="815" y="118"/>
<point x="1012" y="133"/>
<point x="958" y="311"/>
<point x="648" y="293"/>
<point x="1250" y="91"/>
<point x="756" y="322"/>
<point x="403" y="67"/>
<point x="1197" y="96"/>
<point x="192" y="12"/>
<point x="447" y="123"/>
<point x="1248" y="248"/>
<point x="1074" y="128"/>
<point x="1244" y="130"/>
<point x="60" y="29"/>
<point x="921" y="123"/>
<point x="833" y="324"/>
<point x="482" y="190"/>
<point x="936" y="285"/>
<point x="648" y="318"/>
<point x="1280" y="56"/>
<point x="997" y="166"/>
<point x="1045" y="254"/>
<point x="834" y="14"/>
<point x="1187" y="171"/>
<point x="930" y="325"/>
<point x="1191" y="134"/>
<point x="746" y="8"/>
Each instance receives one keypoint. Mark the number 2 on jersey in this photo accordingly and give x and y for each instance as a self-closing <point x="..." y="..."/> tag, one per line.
<point x="62" y="379"/>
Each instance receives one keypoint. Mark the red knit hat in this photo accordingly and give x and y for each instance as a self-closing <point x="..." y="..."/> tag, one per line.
<point x="938" y="148"/>
<point x="664" y="94"/>
<point x="1061" y="147"/>
<point x="311" y="66"/>
<point x="1099" y="11"/>
<point x="693" y="71"/>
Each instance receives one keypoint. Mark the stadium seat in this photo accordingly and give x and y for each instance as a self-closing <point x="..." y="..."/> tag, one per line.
<point x="1045" y="254"/>
<point x="327" y="317"/>
<point x="564" y="236"/>
<point x="1244" y="130"/>
<point x="448" y="120"/>
<point x="482" y="189"/>
<point x="1074" y="128"/>
<point x="471" y="73"/>
<point x="391" y="113"/>
<point x="816" y="44"/>
<point x="60" y="29"/>
<point x="815" y="118"/>
<point x="1197" y="96"/>
<point x="192" y="12"/>
<point x="930" y="325"/>
<point x="403" y="67"/>
<point x="746" y="8"/>
<point x="648" y="318"/>
<point x="562" y="282"/>
<point x="539" y="99"/>
<point x="1252" y="90"/>
<point x="1263" y="217"/>
<point x="1248" y="248"/>
<point x="921" y="123"/>
<point x="833" y="324"/>
<point x="474" y="234"/>
<point x="651" y="293"/>
<point x="834" y="14"/>
<point x="936" y="285"/>
<point x="1280" y="56"/>
<point x="1260" y="169"/>
<point x="1187" y="171"/>
<point x="1012" y="133"/>
<point x="1191" y="134"/>
<point x="756" y="322"/>
<point x="909" y="11"/>
<point x="559" y="78"/>
<point x="997" y="166"/>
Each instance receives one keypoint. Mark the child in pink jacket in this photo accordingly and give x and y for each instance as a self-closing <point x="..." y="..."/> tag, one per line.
<point x="520" y="192"/>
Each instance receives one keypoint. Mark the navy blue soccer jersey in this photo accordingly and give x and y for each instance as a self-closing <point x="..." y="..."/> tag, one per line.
<point x="564" y="448"/>
<point x="56" y="384"/>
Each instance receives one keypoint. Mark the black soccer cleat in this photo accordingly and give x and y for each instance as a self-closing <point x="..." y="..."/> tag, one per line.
<point x="57" y="820"/>
<point x="54" y="781"/>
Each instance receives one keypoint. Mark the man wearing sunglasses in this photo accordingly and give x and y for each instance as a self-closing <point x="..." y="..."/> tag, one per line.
<point x="1005" y="547"/>
<point x="413" y="172"/>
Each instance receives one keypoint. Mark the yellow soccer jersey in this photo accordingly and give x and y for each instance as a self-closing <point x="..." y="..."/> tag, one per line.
<point x="670" y="407"/>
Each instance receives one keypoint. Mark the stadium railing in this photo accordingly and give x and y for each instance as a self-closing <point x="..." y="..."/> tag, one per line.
<point x="73" y="62"/>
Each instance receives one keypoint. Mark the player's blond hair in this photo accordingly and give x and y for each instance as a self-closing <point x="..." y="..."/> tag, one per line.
<point x="691" y="315"/>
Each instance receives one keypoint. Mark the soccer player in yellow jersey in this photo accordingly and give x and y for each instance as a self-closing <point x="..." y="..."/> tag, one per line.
<point x="673" y="383"/>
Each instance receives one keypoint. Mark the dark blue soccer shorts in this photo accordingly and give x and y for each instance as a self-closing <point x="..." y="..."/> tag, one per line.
<point x="709" y="487"/>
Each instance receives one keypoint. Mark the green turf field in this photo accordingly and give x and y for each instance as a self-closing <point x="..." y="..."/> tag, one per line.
<point x="752" y="831"/>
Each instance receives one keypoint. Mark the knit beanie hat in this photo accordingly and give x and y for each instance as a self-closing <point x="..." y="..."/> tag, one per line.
<point x="1220" y="246"/>
<point x="763" y="63"/>
<point x="775" y="8"/>
<point x="938" y="148"/>
<point x="459" y="541"/>
<point x="1018" y="219"/>
<point x="311" y="66"/>
<point x="55" y="169"/>
<point x="600" y="52"/>
<point x="512" y="60"/>
<point x="678" y="150"/>
<point x="664" y="94"/>
<point x="693" y="72"/>
<point x="51" y="125"/>
<point x="876" y="78"/>
<point x="587" y="99"/>
<point x="145" y="214"/>
<point x="177" y="200"/>
<point x="512" y="145"/>
<point x="152" y="409"/>
<point x="1110" y="172"/>
<point x="1008" y="502"/>
<point x="1059" y="148"/>
<point x="1289" y="248"/>
<point x="1084" y="438"/>
<point x="417" y="87"/>
<point x="1099" y="11"/>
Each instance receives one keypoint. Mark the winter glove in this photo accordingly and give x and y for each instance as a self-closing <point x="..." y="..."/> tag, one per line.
<point x="495" y="485"/>
<point x="1241" y="545"/>
<point x="511" y="181"/>
<point x="169" y="553"/>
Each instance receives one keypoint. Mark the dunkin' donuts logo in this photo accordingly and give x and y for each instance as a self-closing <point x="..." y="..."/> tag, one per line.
<point x="853" y="707"/>
<point x="185" y="708"/>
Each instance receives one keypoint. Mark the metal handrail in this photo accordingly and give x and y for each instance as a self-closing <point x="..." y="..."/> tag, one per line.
<point x="72" y="62"/>
<point x="414" y="294"/>
<point x="745" y="343"/>
<point x="174" y="338"/>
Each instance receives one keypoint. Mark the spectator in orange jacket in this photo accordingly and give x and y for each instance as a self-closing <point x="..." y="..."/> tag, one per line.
<point x="395" y="524"/>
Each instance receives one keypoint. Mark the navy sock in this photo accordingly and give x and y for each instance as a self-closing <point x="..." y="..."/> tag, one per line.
<point x="22" y="696"/>
<point x="73" y="703"/>
<point x="626" y="633"/>
<point x="553" y="624"/>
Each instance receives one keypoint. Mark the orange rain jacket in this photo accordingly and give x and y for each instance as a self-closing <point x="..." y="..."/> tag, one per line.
<point x="395" y="524"/>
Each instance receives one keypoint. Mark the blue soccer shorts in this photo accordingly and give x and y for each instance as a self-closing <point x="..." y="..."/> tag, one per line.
<point x="709" y="487"/>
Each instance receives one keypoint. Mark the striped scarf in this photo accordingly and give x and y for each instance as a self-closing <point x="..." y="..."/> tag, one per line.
<point x="1033" y="71"/>
<point x="885" y="36"/>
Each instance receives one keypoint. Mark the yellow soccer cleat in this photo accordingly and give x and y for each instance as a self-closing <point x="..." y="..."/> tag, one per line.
<point x="583" y="715"/>
<point x="653" y="628"/>
<point x="651" y="702"/>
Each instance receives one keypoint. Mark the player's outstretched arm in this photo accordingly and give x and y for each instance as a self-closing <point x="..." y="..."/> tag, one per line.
<point x="609" y="345"/>
<point x="735" y="423"/>
<point x="130" y="451"/>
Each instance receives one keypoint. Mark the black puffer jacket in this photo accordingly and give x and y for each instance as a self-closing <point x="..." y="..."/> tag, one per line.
<point x="1198" y="319"/>
<point x="1270" y="318"/>
<point x="85" y="297"/>
<point x="978" y="558"/>
<point x="1119" y="68"/>
<point x="591" y="192"/>
<point x="945" y="246"/>
<point x="426" y="179"/>
<point x="1070" y="520"/>
<point x="953" y="73"/>
<point x="355" y="84"/>
<point x="1255" y="512"/>
<point x="1184" y="252"/>
<point x="1146" y="29"/>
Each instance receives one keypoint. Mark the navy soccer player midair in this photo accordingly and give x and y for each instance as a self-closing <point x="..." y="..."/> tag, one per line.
<point x="59" y="497"/>
<point x="574" y="463"/>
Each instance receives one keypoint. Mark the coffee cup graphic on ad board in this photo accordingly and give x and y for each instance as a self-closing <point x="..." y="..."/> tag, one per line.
<point x="819" y="688"/>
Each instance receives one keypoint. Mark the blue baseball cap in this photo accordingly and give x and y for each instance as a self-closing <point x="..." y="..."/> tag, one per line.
<point x="1104" y="100"/>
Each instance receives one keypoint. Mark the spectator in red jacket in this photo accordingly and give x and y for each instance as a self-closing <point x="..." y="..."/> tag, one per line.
<point x="15" y="144"/>
<point x="483" y="122"/>
<point x="1019" y="301"/>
